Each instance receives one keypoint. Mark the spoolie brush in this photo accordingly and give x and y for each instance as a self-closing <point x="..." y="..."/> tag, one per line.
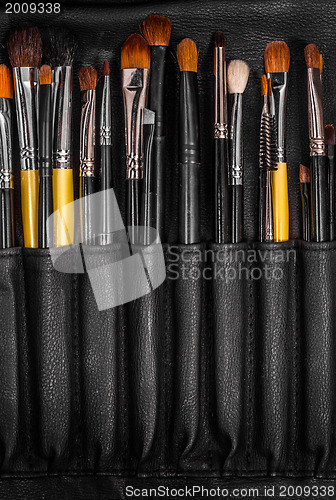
<point x="329" y="133"/>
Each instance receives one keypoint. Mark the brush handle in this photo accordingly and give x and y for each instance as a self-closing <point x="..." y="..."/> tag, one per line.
<point x="223" y="214"/>
<point x="331" y="172"/>
<point x="319" y="198"/>
<point x="280" y="202"/>
<point x="7" y="218"/>
<point x="45" y="208"/>
<point x="105" y="235"/>
<point x="29" y="206"/>
<point x="86" y="188"/>
<point x="63" y="198"/>
<point x="237" y="213"/>
<point x="189" y="209"/>
<point x="157" y="181"/>
<point x="133" y="210"/>
<point x="305" y="199"/>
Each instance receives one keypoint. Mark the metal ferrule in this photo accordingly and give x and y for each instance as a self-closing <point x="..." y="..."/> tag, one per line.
<point x="62" y="113"/>
<point x="87" y="133"/>
<point x="236" y="140"/>
<point x="221" y="126"/>
<point x="105" y="116"/>
<point x="135" y="89"/>
<point x="25" y="99"/>
<point x="278" y="101"/>
<point x="315" y="113"/>
<point x="264" y="107"/>
<point x="6" y="173"/>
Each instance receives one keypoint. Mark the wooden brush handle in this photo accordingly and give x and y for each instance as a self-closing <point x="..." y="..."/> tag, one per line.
<point x="280" y="203"/>
<point x="29" y="205"/>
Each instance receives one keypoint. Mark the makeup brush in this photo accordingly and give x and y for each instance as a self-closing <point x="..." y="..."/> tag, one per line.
<point x="189" y="204"/>
<point x="277" y="58"/>
<point x="222" y="195"/>
<point x="45" y="154"/>
<point x="25" y="54"/>
<point x="157" y="30"/>
<point x="135" y="65"/>
<point x="237" y="77"/>
<point x="305" y="199"/>
<point x="59" y="48"/>
<point x="6" y="169"/>
<point x="105" y="234"/>
<point x="318" y="167"/>
<point x="88" y="81"/>
<point x="329" y="133"/>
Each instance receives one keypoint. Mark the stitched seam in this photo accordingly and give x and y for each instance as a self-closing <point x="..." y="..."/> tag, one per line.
<point x="165" y="381"/>
<point x="296" y="360"/>
<point x="250" y="343"/>
<point x="76" y="372"/>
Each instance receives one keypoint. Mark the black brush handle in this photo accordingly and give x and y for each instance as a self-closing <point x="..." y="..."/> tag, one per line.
<point x="106" y="183"/>
<point x="157" y="184"/>
<point x="237" y="214"/>
<point x="189" y="209"/>
<point x="223" y="213"/>
<point x="319" y="198"/>
<point x="305" y="199"/>
<point x="7" y="218"/>
<point x="133" y="210"/>
<point x="106" y="167"/>
<point x="331" y="172"/>
<point x="86" y="188"/>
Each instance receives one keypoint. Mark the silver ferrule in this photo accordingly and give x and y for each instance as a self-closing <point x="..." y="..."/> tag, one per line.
<point x="315" y="113"/>
<point x="87" y="133"/>
<point x="264" y="107"/>
<point x="278" y="101"/>
<point x="6" y="166"/>
<point x="135" y="89"/>
<point x="62" y="114"/>
<point x="105" y="115"/>
<point x="25" y="81"/>
<point x="221" y="126"/>
<point x="236" y="140"/>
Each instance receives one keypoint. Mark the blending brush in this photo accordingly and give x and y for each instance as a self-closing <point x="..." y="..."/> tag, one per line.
<point x="157" y="30"/>
<point x="189" y="204"/>
<point x="222" y="195"/>
<point x="237" y="77"/>
<point x="59" y="47"/>
<point x="135" y="66"/>
<point x="6" y="172"/>
<point x="318" y="166"/>
<point x="88" y="83"/>
<point x="25" y="54"/>
<point x="45" y="154"/>
<point x="305" y="199"/>
<point x="277" y="59"/>
<point x="329" y="132"/>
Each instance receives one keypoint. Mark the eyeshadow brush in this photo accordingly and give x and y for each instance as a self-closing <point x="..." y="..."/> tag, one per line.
<point x="305" y="199"/>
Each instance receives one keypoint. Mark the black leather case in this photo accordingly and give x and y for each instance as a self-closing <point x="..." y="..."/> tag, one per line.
<point x="221" y="377"/>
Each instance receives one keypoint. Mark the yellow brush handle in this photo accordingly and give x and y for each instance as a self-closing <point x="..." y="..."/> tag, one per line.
<point x="280" y="203"/>
<point x="29" y="206"/>
<point x="63" y="194"/>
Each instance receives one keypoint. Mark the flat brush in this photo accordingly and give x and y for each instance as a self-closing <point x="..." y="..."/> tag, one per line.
<point x="318" y="166"/>
<point x="305" y="199"/>
<point x="189" y="204"/>
<point x="6" y="169"/>
<point x="88" y="81"/>
<point x="277" y="59"/>
<point x="237" y="77"/>
<point x="157" y="30"/>
<point x="329" y="133"/>
<point x="135" y="65"/>
<point x="45" y="154"/>
<point x="222" y="194"/>
<point x="25" y="54"/>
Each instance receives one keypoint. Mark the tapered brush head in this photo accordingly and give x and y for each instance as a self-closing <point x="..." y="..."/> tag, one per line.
<point x="237" y="76"/>
<point x="304" y="174"/>
<point x="277" y="57"/>
<point x="321" y="64"/>
<point x="87" y="78"/>
<point x="329" y="134"/>
<point x="45" y="75"/>
<point x="219" y="39"/>
<point x="264" y="85"/>
<point x="6" y="82"/>
<point x="135" y="53"/>
<point x="187" y="56"/>
<point x="157" y="30"/>
<point x="106" y="68"/>
<point x="59" y="47"/>
<point x="25" y="48"/>
<point x="312" y="56"/>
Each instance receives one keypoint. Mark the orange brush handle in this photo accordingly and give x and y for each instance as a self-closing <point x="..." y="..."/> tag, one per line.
<point x="29" y="205"/>
<point x="63" y="193"/>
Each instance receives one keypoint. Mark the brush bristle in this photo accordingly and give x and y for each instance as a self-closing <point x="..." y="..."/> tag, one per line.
<point x="269" y="87"/>
<point x="219" y="39"/>
<point x="321" y="63"/>
<point x="106" y="68"/>
<point x="87" y="78"/>
<point x="6" y="82"/>
<point x="187" y="56"/>
<point x="277" y="57"/>
<point x="45" y="75"/>
<point x="25" y="48"/>
<point x="312" y="56"/>
<point x="264" y="85"/>
<point x="329" y="134"/>
<point x="304" y="174"/>
<point x="157" y="30"/>
<point x="59" y="47"/>
<point x="237" y="76"/>
<point x="135" y="53"/>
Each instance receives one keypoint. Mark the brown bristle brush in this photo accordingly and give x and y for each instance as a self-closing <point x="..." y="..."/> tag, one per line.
<point x="305" y="199"/>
